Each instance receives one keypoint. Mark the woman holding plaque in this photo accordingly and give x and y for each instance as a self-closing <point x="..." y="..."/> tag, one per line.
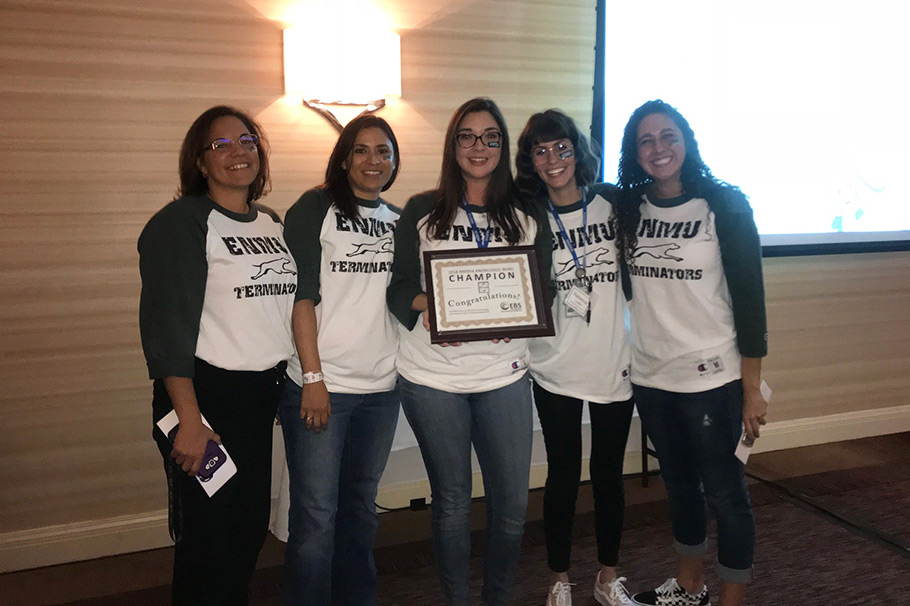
<point x="698" y="335"/>
<point x="556" y="170"/>
<point x="215" y="317"/>
<point x="456" y="395"/>
<point x="339" y="409"/>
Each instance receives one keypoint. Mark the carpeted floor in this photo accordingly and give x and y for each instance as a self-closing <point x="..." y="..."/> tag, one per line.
<point x="801" y="559"/>
<point x="829" y="534"/>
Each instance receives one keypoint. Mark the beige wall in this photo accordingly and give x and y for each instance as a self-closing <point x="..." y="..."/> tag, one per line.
<point x="95" y="97"/>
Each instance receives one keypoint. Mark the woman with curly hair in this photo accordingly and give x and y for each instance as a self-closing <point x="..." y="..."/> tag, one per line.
<point x="458" y="395"/>
<point x="556" y="171"/>
<point x="698" y="335"/>
<point x="215" y="316"/>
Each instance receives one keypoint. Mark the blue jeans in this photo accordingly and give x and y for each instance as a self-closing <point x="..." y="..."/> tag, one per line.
<point x="334" y="478"/>
<point x="695" y="436"/>
<point x="499" y="425"/>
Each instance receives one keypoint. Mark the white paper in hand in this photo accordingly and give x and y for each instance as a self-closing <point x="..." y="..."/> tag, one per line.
<point x="216" y="458"/>
<point x="744" y="446"/>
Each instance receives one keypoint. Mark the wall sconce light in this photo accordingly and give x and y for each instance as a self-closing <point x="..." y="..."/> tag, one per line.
<point x="325" y="67"/>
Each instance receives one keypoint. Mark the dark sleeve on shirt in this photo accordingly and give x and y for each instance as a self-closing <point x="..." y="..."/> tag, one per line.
<point x="405" y="282"/>
<point x="302" y="226"/>
<point x="740" y="250"/>
<point x="543" y="242"/>
<point x="174" y="269"/>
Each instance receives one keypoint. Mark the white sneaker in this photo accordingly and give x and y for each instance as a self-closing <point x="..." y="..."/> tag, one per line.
<point x="560" y="594"/>
<point x="613" y="593"/>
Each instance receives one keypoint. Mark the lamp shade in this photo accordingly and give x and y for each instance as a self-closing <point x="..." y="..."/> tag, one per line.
<point x="327" y="66"/>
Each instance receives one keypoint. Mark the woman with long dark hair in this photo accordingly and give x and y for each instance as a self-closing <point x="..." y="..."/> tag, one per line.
<point x="698" y="335"/>
<point x="340" y="405"/>
<point x="217" y="291"/>
<point x="556" y="171"/>
<point x="475" y="393"/>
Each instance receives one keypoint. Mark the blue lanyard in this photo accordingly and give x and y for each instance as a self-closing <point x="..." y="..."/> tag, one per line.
<point x="482" y="241"/>
<point x="580" y="266"/>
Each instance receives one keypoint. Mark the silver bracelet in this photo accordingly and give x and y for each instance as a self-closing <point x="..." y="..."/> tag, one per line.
<point x="312" y="377"/>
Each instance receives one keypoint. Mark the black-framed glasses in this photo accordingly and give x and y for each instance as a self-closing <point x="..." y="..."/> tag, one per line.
<point x="247" y="142"/>
<point x="562" y="149"/>
<point x="491" y="138"/>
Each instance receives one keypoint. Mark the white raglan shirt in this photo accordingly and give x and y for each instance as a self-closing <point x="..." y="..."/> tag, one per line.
<point x="586" y="361"/>
<point x="355" y="333"/>
<point x="683" y="336"/>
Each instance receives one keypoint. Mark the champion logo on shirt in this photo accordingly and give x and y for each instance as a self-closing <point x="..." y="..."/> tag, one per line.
<point x="519" y="365"/>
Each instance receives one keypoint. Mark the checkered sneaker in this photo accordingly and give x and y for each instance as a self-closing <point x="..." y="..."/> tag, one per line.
<point x="671" y="594"/>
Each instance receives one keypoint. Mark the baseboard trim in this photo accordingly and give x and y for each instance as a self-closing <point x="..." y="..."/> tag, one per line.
<point x="64" y="543"/>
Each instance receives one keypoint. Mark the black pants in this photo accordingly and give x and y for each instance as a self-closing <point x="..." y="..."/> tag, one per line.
<point x="560" y="419"/>
<point x="218" y="538"/>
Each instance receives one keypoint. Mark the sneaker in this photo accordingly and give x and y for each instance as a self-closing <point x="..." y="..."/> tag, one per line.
<point x="613" y="593"/>
<point x="560" y="594"/>
<point x="671" y="594"/>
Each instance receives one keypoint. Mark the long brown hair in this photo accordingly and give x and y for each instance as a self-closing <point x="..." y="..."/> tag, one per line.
<point x="499" y="196"/>
<point x="336" y="183"/>
<point x="192" y="182"/>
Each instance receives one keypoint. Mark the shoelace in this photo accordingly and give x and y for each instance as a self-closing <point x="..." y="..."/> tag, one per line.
<point x="563" y="593"/>
<point x="670" y="585"/>
<point x="618" y="591"/>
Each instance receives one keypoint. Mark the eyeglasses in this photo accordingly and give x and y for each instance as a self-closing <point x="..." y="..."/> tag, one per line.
<point x="247" y="142"/>
<point x="491" y="138"/>
<point x="541" y="153"/>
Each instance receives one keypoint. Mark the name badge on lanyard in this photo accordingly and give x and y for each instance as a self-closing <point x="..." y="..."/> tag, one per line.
<point x="580" y="298"/>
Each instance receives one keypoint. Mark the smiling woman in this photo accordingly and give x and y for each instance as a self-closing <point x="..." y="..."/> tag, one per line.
<point x="215" y="310"/>
<point x="339" y="408"/>
<point x="458" y="395"/>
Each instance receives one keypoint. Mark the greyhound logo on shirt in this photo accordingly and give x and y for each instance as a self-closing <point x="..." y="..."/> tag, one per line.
<point x="658" y="251"/>
<point x="278" y="266"/>
<point x="598" y="256"/>
<point x="378" y="247"/>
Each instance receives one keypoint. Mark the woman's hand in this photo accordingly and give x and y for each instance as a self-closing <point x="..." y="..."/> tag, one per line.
<point x="426" y="319"/>
<point x="505" y="340"/>
<point x="315" y="406"/>
<point x="754" y="405"/>
<point x="189" y="445"/>
<point x="754" y="410"/>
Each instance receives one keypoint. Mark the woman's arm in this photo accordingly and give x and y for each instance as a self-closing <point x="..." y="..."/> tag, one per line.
<point x="405" y="296"/>
<point x="192" y="436"/>
<point x="754" y="405"/>
<point x="315" y="407"/>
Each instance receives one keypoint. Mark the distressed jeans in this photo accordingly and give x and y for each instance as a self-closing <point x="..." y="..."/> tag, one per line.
<point x="695" y="436"/>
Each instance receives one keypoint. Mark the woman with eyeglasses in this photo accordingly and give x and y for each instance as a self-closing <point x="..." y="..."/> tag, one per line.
<point x="339" y="410"/>
<point x="218" y="287"/>
<point x="698" y="336"/>
<point x="588" y="358"/>
<point x="457" y="395"/>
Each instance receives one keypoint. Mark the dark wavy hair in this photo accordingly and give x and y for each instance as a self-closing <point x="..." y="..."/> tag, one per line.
<point x="500" y="195"/>
<point x="192" y="183"/>
<point x="551" y="125"/>
<point x="337" y="185"/>
<point x="697" y="179"/>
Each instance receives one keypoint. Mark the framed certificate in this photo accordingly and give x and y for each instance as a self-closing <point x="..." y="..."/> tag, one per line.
<point x="486" y="293"/>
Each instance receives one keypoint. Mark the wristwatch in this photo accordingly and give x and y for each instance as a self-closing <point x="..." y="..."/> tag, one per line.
<point x="312" y="377"/>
